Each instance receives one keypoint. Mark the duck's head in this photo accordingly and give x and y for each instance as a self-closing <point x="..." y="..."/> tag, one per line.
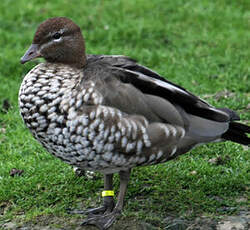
<point x="58" y="40"/>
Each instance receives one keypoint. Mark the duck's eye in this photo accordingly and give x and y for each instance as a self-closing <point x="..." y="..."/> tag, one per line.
<point x="57" y="35"/>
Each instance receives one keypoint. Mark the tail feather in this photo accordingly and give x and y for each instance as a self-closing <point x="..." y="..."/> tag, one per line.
<point x="237" y="132"/>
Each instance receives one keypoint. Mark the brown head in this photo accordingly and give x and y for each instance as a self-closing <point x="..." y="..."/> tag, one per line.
<point x="58" y="40"/>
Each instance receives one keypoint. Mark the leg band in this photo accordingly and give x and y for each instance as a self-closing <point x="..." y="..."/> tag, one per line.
<point x="107" y="193"/>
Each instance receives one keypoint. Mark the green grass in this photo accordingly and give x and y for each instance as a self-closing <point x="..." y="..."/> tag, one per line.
<point x="201" y="45"/>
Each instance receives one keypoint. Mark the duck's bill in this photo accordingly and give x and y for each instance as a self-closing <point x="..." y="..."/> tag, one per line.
<point x="30" y="54"/>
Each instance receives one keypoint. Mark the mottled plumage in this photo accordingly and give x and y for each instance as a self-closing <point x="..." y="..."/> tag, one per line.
<point x="110" y="114"/>
<point x="74" y="120"/>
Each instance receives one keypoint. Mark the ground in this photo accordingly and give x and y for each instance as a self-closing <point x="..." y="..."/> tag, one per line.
<point x="200" y="45"/>
<point x="237" y="222"/>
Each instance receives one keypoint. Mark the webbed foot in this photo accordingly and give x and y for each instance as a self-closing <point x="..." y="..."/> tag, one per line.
<point x="102" y="222"/>
<point x="94" y="211"/>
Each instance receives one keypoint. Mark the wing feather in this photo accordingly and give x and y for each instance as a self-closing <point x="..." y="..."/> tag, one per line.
<point x="149" y="82"/>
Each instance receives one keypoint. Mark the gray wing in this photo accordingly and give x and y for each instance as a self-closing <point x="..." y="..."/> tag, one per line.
<point x="149" y="82"/>
<point x="135" y="90"/>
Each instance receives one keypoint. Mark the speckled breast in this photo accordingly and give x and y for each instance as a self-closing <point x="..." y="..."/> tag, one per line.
<point x="49" y="101"/>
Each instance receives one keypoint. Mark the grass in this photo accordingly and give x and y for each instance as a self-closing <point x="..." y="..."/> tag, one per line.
<point x="201" y="45"/>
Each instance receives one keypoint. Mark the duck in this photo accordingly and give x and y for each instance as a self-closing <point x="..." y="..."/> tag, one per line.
<point x="108" y="113"/>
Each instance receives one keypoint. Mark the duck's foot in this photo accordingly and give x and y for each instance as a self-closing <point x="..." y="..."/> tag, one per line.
<point x="103" y="221"/>
<point x="98" y="210"/>
<point x="93" y="211"/>
<point x="104" y="216"/>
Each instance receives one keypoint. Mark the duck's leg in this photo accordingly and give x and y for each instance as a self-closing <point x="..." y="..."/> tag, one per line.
<point x="107" y="219"/>
<point x="108" y="201"/>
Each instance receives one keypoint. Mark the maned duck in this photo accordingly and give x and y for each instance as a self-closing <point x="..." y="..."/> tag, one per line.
<point x="108" y="113"/>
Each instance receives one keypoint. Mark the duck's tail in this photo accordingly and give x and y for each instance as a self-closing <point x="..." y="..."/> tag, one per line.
<point x="238" y="133"/>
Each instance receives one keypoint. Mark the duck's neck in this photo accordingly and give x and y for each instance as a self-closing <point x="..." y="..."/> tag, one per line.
<point x="74" y="62"/>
